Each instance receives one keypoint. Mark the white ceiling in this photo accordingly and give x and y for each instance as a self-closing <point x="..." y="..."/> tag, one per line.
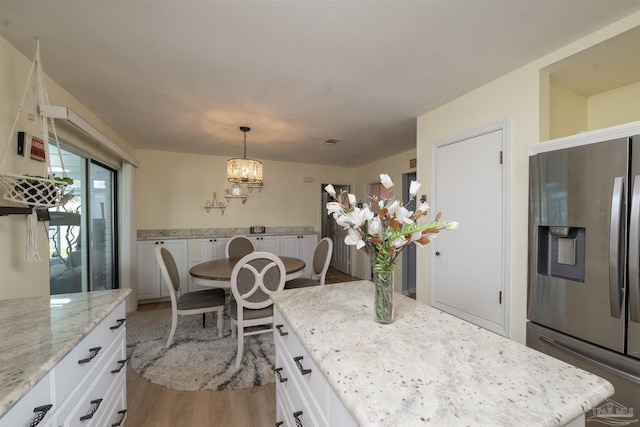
<point x="182" y="75"/>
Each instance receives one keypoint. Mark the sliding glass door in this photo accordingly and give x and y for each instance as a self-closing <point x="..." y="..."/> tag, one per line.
<point x="82" y="233"/>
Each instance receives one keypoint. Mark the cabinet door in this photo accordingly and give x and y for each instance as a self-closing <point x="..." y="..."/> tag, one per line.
<point x="148" y="280"/>
<point x="300" y="246"/>
<point x="266" y="244"/>
<point x="289" y="246"/>
<point x="210" y="249"/>
<point x="206" y="250"/>
<point x="219" y="245"/>
<point x="270" y="244"/>
<point x="200" y="250"/>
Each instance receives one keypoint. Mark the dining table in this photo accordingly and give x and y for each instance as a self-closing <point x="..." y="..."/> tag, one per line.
<point x="217" y="273"/>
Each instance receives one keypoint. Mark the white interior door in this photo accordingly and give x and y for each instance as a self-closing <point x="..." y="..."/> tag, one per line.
<point x="468" y="264"/>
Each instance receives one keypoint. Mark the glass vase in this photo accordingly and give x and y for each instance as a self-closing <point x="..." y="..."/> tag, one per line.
<point x="383" y="296"/>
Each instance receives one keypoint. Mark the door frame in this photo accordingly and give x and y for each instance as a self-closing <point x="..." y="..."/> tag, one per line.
<point x="505" y="126"/>
<point x="324" y="221"/>
<point x="409" y="257"/>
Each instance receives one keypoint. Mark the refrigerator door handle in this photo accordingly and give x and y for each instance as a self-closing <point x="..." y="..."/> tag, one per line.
<point x="634" y="253"/>
<point x="615" y="288"/>
<point x="571" y="352"/>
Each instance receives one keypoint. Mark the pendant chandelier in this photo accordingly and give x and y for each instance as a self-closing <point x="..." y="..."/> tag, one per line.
<point x="244" y="171"/>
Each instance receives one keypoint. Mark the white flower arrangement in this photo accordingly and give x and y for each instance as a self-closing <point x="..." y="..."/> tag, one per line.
<point x="385" y="234"/>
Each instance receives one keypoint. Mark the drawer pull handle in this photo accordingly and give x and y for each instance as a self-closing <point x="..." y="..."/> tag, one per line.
<point x="122" y="414"/>
<point x="121" y="364"/>
<point x="42" y="411"/>
<point x="296" y="415"/>
<point x="95" y="404"/>
<point x="279" y="328"/>
<point x="120" y="323"/>
<point x="280" y="377"/>
<point x="93" y="352"/>
<point x="299" y="365"/>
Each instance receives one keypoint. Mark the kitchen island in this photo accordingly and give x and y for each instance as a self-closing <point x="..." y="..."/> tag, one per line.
<point x="428" y="367"/>
<point x="60" y="333"/>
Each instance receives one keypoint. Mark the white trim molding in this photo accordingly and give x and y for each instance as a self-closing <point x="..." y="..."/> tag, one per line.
<point x="65" y="113"/>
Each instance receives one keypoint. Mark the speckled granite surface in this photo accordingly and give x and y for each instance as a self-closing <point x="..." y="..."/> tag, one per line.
<point x="201" y="233"/>
<point x="431" y="368"/>
<point x="36" y="333"/>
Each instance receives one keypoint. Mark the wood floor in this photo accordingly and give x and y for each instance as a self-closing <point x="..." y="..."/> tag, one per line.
<point x="153" y="405"/>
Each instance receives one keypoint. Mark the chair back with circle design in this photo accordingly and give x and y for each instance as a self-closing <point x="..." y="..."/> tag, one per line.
<point x="254" y="277"/>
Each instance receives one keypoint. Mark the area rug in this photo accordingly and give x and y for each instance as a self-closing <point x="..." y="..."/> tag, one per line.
<point x="197" y="359"/>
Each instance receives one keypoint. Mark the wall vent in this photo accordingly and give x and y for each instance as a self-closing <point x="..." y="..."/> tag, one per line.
<point x="331" y="141"/>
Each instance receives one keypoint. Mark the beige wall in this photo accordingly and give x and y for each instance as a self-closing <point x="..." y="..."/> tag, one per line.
<point x="173" y="188"/>
<point x="515" y="96"/>
<point x="569" y="111"/>
<point x="572" y="113"/>
<point x="19" y="278"/>
<point x="615" y="107"/>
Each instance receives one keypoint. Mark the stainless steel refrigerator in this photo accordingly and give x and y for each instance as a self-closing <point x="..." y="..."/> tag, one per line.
<point x="584" y="266"/>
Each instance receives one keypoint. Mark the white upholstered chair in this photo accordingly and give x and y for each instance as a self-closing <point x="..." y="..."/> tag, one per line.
<point x="253" y="279"/>
<point x="321" y="259"/>
<point x="182" y="304"/>
<point x="239" y="246"/>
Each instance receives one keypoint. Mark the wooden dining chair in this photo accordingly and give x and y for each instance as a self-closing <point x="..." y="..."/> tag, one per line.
<point x="239" y="246"/>
<point x="321" y="260"/>
<point x="253" y="279"/>
<point x="184" y="304"/>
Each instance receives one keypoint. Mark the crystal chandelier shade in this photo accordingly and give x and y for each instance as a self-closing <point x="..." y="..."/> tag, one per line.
<point x="243" y="170"/>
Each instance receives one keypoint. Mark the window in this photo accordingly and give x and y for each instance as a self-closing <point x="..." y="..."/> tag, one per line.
<point x="82" y="233"/>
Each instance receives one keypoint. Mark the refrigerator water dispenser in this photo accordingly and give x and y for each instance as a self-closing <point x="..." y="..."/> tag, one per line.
<point x="561" y="252"/>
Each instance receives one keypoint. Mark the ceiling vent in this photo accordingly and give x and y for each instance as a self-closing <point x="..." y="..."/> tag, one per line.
<point x="331" y="141"/>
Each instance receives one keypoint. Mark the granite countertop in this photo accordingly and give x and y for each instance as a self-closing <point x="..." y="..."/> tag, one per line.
<point x="36" y="334"/>
<point x="205" y="233"/>
<point x="431" y="368"/>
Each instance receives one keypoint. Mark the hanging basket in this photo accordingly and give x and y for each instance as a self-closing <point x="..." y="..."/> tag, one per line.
<point x="34" y="191"/>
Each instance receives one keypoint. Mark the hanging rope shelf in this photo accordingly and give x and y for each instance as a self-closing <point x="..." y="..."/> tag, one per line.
<point x="35" y="192"/>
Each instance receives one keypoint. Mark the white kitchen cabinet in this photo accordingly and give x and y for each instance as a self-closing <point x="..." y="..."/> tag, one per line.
<point x="208" y="250"/>
<point x="303" y="395"/>
<point x="300" y="246"/>
<point x="151" y="284"/>
<point x="266" y="243"/>
<point x="86" y="388"/>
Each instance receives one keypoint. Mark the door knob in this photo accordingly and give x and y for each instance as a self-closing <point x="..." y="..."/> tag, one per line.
<point x="437" y="253"/>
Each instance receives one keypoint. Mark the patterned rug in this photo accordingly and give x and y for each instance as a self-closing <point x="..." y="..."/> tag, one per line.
<point x="197" y="359"/>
